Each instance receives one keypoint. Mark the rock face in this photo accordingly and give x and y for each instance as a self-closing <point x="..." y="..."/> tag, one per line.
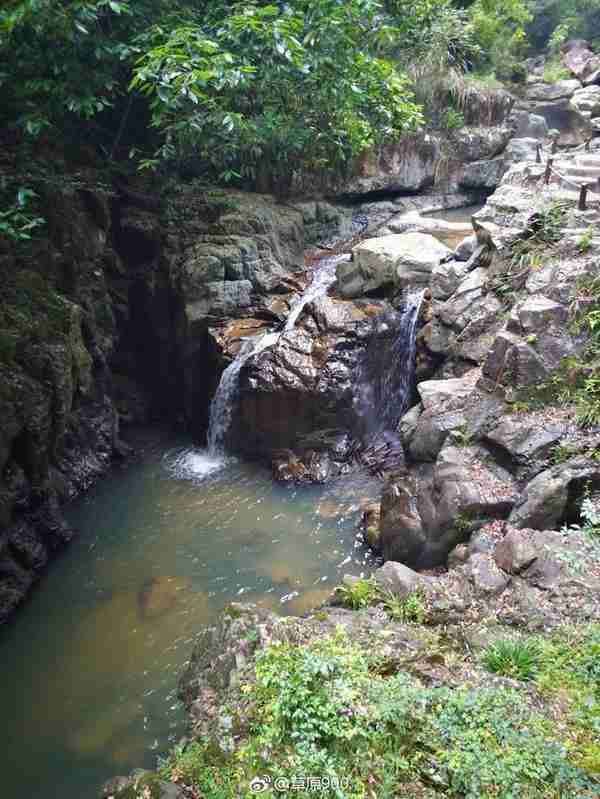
<point x="306" y="376"/>
<point x="405" y="259"/>
<point x="582" y="62"/>
<point x="119" y="317"/>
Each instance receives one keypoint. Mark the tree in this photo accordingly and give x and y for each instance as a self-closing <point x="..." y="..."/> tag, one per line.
<point x="265" y="91"/>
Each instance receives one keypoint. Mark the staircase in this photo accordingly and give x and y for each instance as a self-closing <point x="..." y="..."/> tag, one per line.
<point x="584" y="169"/>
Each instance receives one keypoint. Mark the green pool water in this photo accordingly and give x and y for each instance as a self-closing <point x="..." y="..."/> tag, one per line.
<point x="90" y="663"/>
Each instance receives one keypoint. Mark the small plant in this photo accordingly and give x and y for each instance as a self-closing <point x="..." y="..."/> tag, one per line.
<point x="17" y="222"/>
<point x="463" y="436"/>
<point x="463" y="523"/>
<point x="584" y="242"/>
<point x="520" y="406"/>
<point x="453" y="119"/>
<point x="410" y="609"/>
<point x="359" y="594"/>
<point x="561" y="453"/>
<point x="531" y="339"/>
<point x="513" y="658"/>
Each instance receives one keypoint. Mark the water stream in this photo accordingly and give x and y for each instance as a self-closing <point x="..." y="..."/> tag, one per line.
<point x="384" y="375"/>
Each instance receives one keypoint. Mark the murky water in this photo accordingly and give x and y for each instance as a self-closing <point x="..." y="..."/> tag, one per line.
<point x="452" y="238"/>
<point x="90" y="664"/>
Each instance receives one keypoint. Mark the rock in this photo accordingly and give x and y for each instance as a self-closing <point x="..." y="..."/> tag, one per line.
<point x="525" y="438"/>
<point x="545" y="92"/>
<point x="458" y="556"/>
<point x="573" y="127"/>
<point x="471" y="144"/>
<point x="485" y="575"/>
<point x="401" y="260"/>
<point x="434" y="392"/>
<point x="544" y="501"/>
<point x="397" y="578"/>
<point x="586" y="101"/>
<point x="144" y="784"/>
<point x="371" y="523"/>
<point x="520" y="150"/>
<point x="406" y="165"/>
<point x="538" y="314"/>
<point x="582" y="62"/>
<point x="513" y="362"/>
<point x="402" y="538"/>
<point x="515" y="552"/>
<point x="160" y="595"/>
<point x="465" y="250"/>
<point x="447" y="277"/>
<point x="527" y="126"/>
<point x="483" y="175"/>
<point x="544" y="573"/>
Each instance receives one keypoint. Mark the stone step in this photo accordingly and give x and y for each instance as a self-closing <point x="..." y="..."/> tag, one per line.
<point x="591" y="172"/>
<point x="588" y="160"/>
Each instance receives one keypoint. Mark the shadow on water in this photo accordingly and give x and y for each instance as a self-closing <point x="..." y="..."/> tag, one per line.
<point x="90" y="664"/>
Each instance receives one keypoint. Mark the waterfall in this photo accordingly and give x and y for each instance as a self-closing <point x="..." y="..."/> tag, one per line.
<point x="223" y="403"/>
<point x="323" y="278"/>
<point x="384" y="377"/>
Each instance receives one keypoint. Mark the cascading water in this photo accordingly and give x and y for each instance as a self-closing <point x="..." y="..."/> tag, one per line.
<point x="323" y="278"/>
<point x="385" y="373"/>
<point x="223" y="403"/>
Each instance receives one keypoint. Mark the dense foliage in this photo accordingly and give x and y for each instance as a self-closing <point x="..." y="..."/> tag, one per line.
<point x="331" y="709"/>
<point x="256" y="91"/>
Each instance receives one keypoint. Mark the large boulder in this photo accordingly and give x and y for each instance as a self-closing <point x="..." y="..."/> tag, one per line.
<point x="586" y="101"/>
<point x="574" y="128"/>
<point x="306" y="375"/>
<point x="405" y="259"/>
<point x="527" y="125"/>
<point x="424" y="515"/>
<point x="483" y="175"/>
<point x="547" y="92"/>
<point x="521" y="149"/>
<point x="547" y="499"/>
<point x="583" y="63"/>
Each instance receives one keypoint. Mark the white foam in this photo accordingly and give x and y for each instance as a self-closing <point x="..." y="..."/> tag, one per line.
<point x="194" y="464"/>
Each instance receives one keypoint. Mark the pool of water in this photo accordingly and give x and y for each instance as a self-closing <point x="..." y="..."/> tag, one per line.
<point x="90" y="663"/>
<point x="463" y="214"/>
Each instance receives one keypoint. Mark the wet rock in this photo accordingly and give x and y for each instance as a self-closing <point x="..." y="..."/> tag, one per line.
<point x="403" y="538"/>
<point x="371" y="523"/>
<point x="485" y="575"/>
<point x="515" y="552"/>
<point x="160" y="595"/>
<point x="397" y="578"/>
